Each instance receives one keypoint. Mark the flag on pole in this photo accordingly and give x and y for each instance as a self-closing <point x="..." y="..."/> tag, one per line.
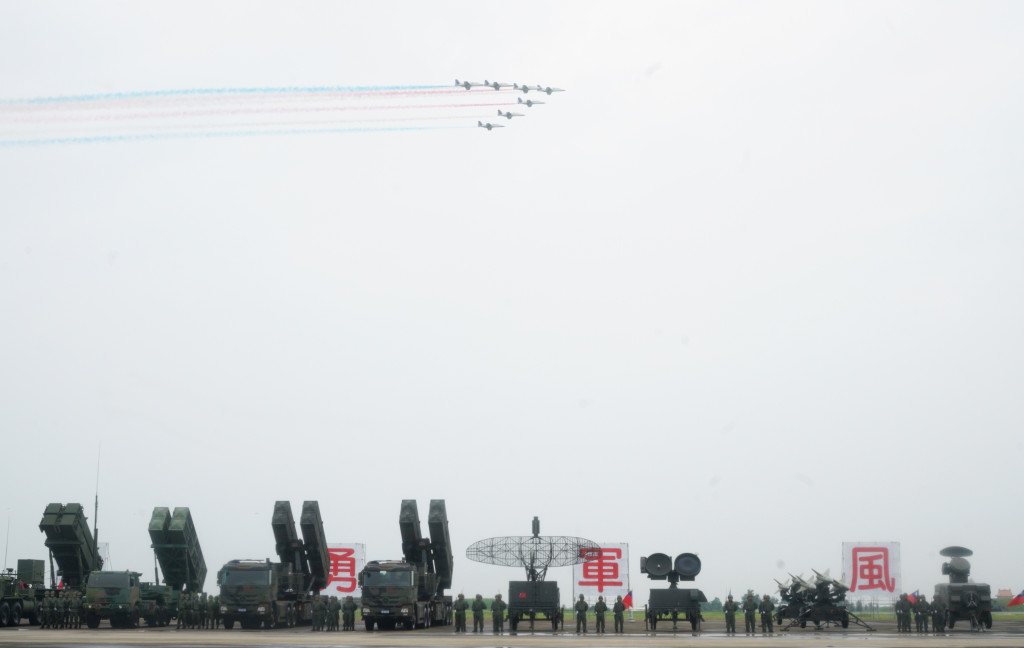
<point x="628" y="601"/>
<point x="1017" y="600"/>
<point x="913" y="597"/>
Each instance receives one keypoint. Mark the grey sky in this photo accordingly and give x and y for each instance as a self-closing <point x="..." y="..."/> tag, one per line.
<point x="751" y="287"/>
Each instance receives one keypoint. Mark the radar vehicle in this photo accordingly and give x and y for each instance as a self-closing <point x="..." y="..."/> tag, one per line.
<point x="675" y="602"/>
<point x="965" y="600"/>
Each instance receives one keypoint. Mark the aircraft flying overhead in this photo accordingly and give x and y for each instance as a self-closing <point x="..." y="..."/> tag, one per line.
<point x="508" y="115"/>
<point x="496" y="85"/>
<point x="529" y="103"/>
<point x="525" y="88"/>
<point x="488" y="125"/>
<point x="549" y="89"/>
<point x="467" y="84"/>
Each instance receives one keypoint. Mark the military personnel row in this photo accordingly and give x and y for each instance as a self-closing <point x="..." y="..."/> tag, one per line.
<point x="61" y="610"/>
<point x="751" y="608"/>
<point x="921" y="611"/>
<point x="198" y="612"/>
<point x="327" y="611"/>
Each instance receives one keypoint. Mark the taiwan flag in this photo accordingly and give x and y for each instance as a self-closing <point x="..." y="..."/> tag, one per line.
<point x="1017" y="600"/>
<point x="913" y="597"/>
<point x="628" y="601"/>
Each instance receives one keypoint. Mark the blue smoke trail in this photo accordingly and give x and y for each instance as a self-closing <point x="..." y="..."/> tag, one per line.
<point x="219" y="91"/>
<point x="167" y="136"/>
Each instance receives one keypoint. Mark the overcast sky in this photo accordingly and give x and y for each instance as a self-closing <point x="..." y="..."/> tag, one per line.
<point x="753" y="286"/>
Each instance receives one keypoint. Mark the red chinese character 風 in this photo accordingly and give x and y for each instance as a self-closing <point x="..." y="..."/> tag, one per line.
<point x="871" y="570"/>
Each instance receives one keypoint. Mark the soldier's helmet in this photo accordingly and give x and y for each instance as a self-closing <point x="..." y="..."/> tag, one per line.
<point x="497" y="596"/>
<point x="478" y="596"/>
<point x="581" y="597"/>
<point x="600" y="598"/>
<point x="618" y="598"/>
<point x="766" y="597"/>
<point x="462" y="596"/>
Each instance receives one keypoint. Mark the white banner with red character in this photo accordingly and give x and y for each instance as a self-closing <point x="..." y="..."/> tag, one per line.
<point x="604" y="572"/>
<point x="347" y="560"/>
<point x="872" y="569"/>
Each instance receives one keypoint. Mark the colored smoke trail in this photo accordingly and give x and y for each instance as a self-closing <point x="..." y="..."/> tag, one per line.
<point x="201" y="134"/>
<point x="214" y="112"/>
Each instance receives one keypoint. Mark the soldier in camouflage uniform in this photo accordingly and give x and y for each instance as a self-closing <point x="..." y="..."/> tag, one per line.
<point x="318" y="614"/>
<point x="749" y="608"/>
<point x="902" y="609"/>
<point x="335" y="613"/>
<point x="478" y="613"/>
<point x="766" y="608"/>
<point x="213" y="612"/>
<point x="938" y="613"/>
<point x="348" y="611"/>
<point x="581" y="608"/>
<point x="76" y="610"/>
<point x="599" y="609"/>
<point x="197" y="610"/>
<point x="730" y="607"/>
<point x="65" y="609"/>
<point x="45" y="616"/>
<point x="617" y="611"/>
<point x="183" y="606"/>
<point x="921" y="612"/>
<point x="498" y="614"/>
<point x="460" y="607"/>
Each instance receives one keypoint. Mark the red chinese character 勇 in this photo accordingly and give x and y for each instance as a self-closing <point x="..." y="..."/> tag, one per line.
<point x="343" y="570"/>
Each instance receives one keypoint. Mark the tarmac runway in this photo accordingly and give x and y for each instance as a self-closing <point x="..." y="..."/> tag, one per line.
<point x="1007" y="634"/>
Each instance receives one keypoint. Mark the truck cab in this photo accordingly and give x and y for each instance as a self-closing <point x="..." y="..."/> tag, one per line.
<point x="390" y="595"/>
<point x="258" y="593"/>
<point x="113" y="595"/>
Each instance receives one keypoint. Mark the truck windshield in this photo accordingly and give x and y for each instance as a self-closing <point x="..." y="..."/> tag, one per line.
<point x="108" y="580"/>
<point x="388" y="579"/>
<point x="246" y="577"/>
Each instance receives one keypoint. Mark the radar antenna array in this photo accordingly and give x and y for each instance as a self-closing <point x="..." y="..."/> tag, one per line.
<point x="533" y="553"/>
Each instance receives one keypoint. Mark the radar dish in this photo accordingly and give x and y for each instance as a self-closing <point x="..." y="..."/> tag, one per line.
<point x="534" y="553"/>
<point x="956" y="552"/>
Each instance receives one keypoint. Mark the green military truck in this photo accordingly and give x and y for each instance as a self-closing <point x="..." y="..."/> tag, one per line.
<point x="411" y="592"/>
<point x="258" y="593"/>
<point x="117" y="597"/>
<point x="21" y="593"/>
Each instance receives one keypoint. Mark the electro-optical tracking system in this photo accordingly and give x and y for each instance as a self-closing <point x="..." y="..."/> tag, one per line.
<point x="536" y="553"/>
<point x="965" y="600"/>
<point x="675" y="602"/>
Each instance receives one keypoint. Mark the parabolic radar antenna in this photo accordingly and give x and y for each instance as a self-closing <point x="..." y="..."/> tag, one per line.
<point x="535" y="554"/>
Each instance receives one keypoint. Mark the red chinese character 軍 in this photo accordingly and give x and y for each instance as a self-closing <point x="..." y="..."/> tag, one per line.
<point x="871" y="570"/>
<point x="601" y="567"/>
<point x="343" y="570"/>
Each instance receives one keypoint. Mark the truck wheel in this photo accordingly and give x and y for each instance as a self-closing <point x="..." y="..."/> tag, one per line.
<point x="92" y="620"/>
<point x="693" y="623"/>
<point x="5" y="614"/>
<point x="369" y="625"/>
<point x="16" y="615"/>
<point x="986" y="618"/>
<point x="229" y="623"/>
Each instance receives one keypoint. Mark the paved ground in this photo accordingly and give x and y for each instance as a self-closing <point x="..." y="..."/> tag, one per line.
<point x="1007" y="634"/>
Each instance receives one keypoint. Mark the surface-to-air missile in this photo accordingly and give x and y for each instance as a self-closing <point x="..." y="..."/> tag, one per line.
<point x="820" y="600"/>
<point x="675" y="602"/>
<point x="965" y="600"/>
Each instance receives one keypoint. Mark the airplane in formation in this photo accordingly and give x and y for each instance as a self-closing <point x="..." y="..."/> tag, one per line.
<point x="468" y="84"/>
<point x="496" y="85"/>
<point x="508" y="115"/>
<point x="529" y="103"/>
<point x="488" y="125"/>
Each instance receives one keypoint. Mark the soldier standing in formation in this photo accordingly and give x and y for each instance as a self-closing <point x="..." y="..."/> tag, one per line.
<point x="498" y="614"/>
<point x="461" y="605"/>
<point x="921" y="612"/>
<point x="766" y="608"/>
<point x="581" y="608"/>
<point x="902" y="609"/>
<point x="348" y="612"/>
<point x="76" y="610"/>
<point x="618" y="609"/>
<point x="183" y="604"/>
<point x="44" y="620"/>
<point x="213" y="612"/>
<point x="730" y="607"/>
<point x="478" y="613"/>
<point x="599" y="609"/>
<point x="749" y="608"/>
<point x="938" y="613"/>
<point x="335" y="609"/>
<point x="318" y="614"/>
